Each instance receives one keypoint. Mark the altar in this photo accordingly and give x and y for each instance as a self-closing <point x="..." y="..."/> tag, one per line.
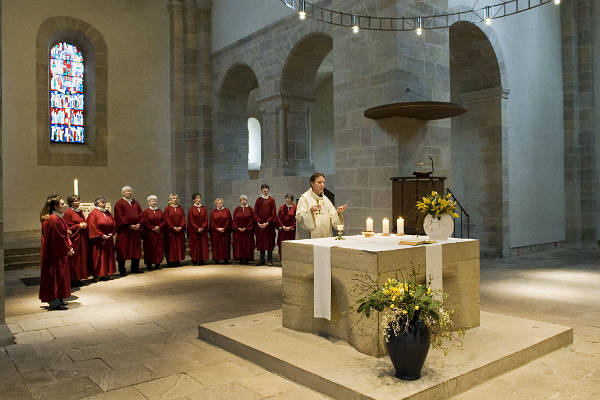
<point x="452" y="264"/>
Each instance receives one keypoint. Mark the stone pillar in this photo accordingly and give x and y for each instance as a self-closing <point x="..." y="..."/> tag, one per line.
<point x="375" y="68"/>
<point x="581" y="150"/>
<point x="6" y="337"/>
<point x="177" y="97"/>
<point x="204" y="101"/>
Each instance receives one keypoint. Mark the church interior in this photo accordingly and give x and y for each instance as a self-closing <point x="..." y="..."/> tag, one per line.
<point x="495" y="102"/>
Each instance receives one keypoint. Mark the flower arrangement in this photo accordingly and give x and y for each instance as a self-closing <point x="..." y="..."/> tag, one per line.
<point x="436" y="205"/>
<point x="404" y="301"/>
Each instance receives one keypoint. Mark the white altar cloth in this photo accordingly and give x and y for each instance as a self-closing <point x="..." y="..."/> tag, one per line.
<point x="322" y="261"/>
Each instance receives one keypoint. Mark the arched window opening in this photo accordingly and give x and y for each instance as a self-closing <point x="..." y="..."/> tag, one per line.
<point x="254" y="138"/>
<point x="66" y="94"/>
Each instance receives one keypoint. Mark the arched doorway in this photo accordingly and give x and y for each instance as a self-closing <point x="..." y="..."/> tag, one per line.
<point x="477" y="148"/>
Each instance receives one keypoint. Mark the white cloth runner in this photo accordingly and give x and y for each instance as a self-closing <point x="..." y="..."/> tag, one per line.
<point x="322" y="262"/>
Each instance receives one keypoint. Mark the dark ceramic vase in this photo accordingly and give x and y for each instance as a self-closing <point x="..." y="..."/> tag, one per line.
<point x="409" y="349"/>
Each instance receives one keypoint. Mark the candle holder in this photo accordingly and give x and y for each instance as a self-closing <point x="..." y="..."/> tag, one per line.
<point x="339" y="236"/>
<point x="385" y="234"/>
<point x="399" y="234"/>
<point x="368" y="233"/>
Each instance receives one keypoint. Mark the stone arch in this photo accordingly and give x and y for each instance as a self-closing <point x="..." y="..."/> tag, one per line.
<point x="307" y="104"/>
<point x="230" y="140"/>
<point x="94" y="49"/>
<point x="478" y="164"/>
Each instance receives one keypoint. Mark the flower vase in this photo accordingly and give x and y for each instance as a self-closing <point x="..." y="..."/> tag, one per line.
<point x="438" y="228"/>
<point x="408" y="350"/>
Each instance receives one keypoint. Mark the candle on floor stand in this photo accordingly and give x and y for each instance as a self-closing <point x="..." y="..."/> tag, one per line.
<point x="400" y="226"/>
<point x="385" y="231"/>
<point x="76" y="187"/>
<point x="369" y="224"/>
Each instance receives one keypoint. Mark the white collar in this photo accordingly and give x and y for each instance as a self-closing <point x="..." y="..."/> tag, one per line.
<point x="265" y="197"/>
<point x="244" y="206"/>
<point x="75" y="209"/>
<point x="171" y="205"/>
<point x="101" y="209"/>
<point x="289" y="205"/>
<point x="153" y="208"/>
<point x="57" y="214"/>
<point x="219" y="209"/>
<point x="128" y="200"/>
<point x="198" y="205"/>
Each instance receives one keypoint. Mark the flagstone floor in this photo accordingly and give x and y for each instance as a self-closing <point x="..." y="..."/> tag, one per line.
<point x="135" y="337"/>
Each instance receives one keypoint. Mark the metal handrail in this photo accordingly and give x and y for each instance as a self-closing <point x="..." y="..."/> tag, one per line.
<point x="463" y="213"/>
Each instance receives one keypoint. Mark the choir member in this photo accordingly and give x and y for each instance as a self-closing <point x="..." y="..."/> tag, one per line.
<point x="128" y="221"/>
<point x="101" y="227"/>
<point x="286" y="221"/>
<point x="315" y="214"/>
<point x="197" y="225"/>
<point x="153" y="232"/>
<point x="220" y="232"/>
<point x="175" y="231"/>
<point x="243" y="231"/>
<point x="56" y="247"/>
<point x="265" y="215"/>
<point x="76" y="222"/>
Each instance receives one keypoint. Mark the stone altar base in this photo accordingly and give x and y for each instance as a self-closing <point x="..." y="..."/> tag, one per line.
<point x="333" y="367"/>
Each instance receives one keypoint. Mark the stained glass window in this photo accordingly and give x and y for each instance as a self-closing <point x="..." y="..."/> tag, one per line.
<point x="66" y="94"/>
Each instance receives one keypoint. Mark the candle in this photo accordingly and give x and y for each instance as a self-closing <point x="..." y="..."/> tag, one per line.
<point x="386" y="226"/>
<point x="369" y="224"/>
<point x="76" y="187"/>
<point x="400" y="225"/>
<point x="340" y="227"/>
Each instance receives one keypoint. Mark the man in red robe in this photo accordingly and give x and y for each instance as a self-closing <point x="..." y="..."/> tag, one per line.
<point x="55" y="249"/>
<point x="243" y="231"/>
<point x="265" y="216"/>
<point x="286" y="221"/>
<point x="198" y="230"/>
<point x="128" y="221"/>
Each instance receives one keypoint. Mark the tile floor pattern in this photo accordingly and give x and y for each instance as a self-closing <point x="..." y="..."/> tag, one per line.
<point x="135" y="337"/>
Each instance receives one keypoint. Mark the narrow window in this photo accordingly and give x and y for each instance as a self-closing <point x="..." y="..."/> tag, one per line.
<point x="66" y="94"/>
<point x="254" y="137"/>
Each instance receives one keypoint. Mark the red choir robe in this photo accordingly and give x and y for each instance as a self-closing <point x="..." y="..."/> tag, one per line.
<point x="80" y="261"/>
<point x="175" y="241"/>
<point x="153" y="241"/>
<point x="55" y="279"/>
<point x="103" y="251"/>
<point x="129" y="243"/>
<point x="243" y="242"/>
<point x="265" y="211"/>
<point x="220" y="240"/>
<point x="286" y="216"/>
<point x="198" y="218"/>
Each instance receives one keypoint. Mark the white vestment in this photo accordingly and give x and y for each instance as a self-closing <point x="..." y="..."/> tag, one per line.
<point x="311" y="225"/>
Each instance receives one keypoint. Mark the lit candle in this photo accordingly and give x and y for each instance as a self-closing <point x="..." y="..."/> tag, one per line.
<point x="369" y="224"/>
<point x="76" y="187"/>
<point x="400" y="226"/>
<point x="386" y="226"/>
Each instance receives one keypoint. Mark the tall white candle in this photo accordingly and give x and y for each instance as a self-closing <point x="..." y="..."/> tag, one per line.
<point x="386" y="226"/>
<point x="400" y="225"/>
<point x="369" y="224"/>
<point x="76" y="187"/>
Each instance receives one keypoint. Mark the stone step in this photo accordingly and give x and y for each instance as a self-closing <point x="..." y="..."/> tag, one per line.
<point x="331" y="366"/>
<point x="10" y="252"/>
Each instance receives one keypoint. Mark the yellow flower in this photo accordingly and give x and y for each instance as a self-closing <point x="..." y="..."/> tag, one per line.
<point x="392" y="306"/>
<point x="416" y="307"/>
<point x="428" y="290"/>
<point x="404" y="312"/>
<point x="393" y="298"/>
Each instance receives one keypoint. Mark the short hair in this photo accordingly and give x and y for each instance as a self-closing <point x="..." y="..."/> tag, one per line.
<point x="152" y="196"/>
<point x="124" y="188"/>
<point x="99" y="199"/>
<point x="219" y="198"/>
<point x="263" y="186"/>
<point x="72" y="198"/>
<point x="289" y="196"/>
<point x="196" y="195"/>
<point x="314" y="176"/>
<point x="243" y="197"/>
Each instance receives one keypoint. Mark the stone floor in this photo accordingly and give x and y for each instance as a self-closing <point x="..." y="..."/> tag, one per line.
<point x="135" y="337"/>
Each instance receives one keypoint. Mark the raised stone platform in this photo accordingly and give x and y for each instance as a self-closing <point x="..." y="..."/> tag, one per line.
<point x="500" y="344"/>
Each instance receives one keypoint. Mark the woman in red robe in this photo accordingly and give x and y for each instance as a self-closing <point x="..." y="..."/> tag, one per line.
<point x="198" y="230"/>
<point x="220" y="232"/>
<point x="56" y="247"/>
<point x="175" y="233"/>
<point x="243" y="231"/>
<point x="153" y="226"/>
<point x="101" y="226"/>
<point x="76" y="222"/>
<point x="286" y="221"/>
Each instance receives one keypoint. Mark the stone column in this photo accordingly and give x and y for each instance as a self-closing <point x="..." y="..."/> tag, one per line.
<point x="177" y="96"/>
<point x="375" y="68"/>
<point x="581" y="151"/>
<point x="204" y="101"/>
<point x="6" y="336"/>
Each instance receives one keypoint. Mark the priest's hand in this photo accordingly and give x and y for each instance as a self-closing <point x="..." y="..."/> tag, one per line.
<point x="341" y="209"/>
<point x="156" y="229"/>
<point x="315" y="209"/>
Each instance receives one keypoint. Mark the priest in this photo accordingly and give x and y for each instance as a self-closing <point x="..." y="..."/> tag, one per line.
<point x="316" y="214"/>
<point x="265" y="216"/>
<point x="128" y="221"/>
